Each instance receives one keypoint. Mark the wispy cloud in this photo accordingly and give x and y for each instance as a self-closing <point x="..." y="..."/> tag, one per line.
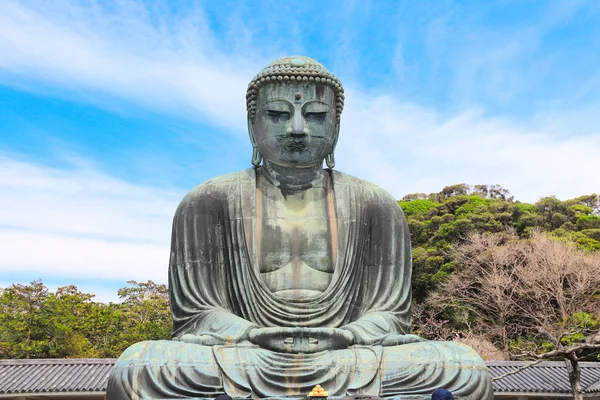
<point x="166" y="64"/>
<point x="406" y="149"/>
<point x="80" y="223"/>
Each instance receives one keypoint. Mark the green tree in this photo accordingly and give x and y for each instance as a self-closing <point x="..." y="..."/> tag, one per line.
<point x="70" y="313"/>
<point x="23" y="325"/>
<point x="37" y="323"/>
<point x="145" y="312"/>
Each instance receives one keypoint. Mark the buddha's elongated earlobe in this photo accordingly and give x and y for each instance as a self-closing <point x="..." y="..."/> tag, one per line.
<point x="256" y="156"/>
<point x="330" y="158"/>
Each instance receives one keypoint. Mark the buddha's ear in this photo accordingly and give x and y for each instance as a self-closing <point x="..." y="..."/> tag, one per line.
<point x="256" y="156"/>
<point x="251" y="131"/>
<point x="330" y="158"/>
<point x="336" y="135"/>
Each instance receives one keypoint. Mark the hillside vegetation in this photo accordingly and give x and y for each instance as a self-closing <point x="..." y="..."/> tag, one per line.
<point x="520" y="280"/>
<point x="439" y="221"/>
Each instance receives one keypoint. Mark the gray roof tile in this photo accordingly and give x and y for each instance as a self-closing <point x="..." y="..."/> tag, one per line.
<point x="54" y="375"/>
<point x="548" y="376"/>
<point x="91" y="375"/>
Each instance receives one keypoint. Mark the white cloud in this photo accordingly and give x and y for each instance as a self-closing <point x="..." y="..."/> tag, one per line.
<point x="408" y="149"/>
<point x="80" y="223"/>
<point x="168" y="65"/>
<point x="81" y="202"/>
<point x="56" y="255"/>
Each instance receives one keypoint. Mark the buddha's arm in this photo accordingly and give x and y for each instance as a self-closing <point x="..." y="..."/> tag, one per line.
<point x="375" y="328"/>
<point x="370" y="328"/>
<point x="386" y="307"/>
<point x="215" y="327"/>
<point x="198" y="272"/>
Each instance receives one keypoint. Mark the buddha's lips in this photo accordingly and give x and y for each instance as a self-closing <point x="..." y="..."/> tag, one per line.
<point x="296" y="145"/>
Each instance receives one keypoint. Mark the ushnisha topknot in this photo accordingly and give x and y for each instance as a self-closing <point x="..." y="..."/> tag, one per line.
<point x="294" y="69"/>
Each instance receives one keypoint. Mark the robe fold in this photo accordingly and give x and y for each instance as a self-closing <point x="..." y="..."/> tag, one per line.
<point x="215" y="284"/>
<point x="217" y="295"/>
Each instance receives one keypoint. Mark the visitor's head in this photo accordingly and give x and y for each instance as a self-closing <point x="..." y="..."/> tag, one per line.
<point x="294" y="107"/>
<point x="442" y="394"/>
<point x="223" y="397"/>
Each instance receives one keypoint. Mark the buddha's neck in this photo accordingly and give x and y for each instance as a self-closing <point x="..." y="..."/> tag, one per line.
<point x="293" y="178"/>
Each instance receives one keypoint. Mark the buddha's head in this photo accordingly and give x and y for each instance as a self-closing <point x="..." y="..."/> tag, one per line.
<point x="294" y="108"/>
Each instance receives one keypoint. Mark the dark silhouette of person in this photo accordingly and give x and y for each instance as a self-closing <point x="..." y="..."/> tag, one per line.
<point x="442" y="394"/>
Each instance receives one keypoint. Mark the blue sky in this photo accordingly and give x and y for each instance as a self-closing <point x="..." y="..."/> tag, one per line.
<point x="111" y="111"/>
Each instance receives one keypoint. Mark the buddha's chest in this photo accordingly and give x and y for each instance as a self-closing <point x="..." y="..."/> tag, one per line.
<point x="295" y="255"/>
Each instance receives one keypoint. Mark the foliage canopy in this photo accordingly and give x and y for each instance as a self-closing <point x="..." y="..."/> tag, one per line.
<point x="37" y="323"/>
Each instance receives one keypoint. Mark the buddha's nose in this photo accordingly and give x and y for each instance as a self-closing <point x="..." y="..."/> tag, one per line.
<point x="298" y="125"/>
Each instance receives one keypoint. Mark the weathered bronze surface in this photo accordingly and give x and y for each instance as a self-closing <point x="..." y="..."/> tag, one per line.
<point x="288" y="275"/>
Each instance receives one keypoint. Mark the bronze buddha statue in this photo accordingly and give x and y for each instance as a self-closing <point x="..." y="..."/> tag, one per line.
<point x="288" y="275"/>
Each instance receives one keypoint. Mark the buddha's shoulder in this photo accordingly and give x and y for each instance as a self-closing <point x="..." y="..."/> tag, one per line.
<point x="221" y="186"/>
<point x="361" y="186"/>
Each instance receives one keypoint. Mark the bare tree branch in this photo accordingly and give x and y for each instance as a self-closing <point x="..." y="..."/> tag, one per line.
<point x="516" y="371"/>
<point x="526" y="293"/>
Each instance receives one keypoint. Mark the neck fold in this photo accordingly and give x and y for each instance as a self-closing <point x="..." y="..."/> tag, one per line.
<point x="293" y="178"/>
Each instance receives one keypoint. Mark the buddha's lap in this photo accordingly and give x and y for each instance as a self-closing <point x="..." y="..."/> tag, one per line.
<point x="155" y="368"/>
<point x="404" y="357"/>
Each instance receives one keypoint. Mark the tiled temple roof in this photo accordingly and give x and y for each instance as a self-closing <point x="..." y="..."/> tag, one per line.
<point x="54" y="375"/>
<point x="545" y="377"/>
<point x="91" y="375"/>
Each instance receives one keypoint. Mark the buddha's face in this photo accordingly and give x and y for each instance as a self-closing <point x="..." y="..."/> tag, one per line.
<point x="295" y="123"/>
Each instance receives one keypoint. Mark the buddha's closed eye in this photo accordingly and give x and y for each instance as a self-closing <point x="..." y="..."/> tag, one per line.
<point x="316" y="116"/>
<point x="277" y="115"/>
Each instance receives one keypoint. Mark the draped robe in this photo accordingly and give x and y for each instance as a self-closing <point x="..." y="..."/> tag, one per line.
<point x="217" y="294"/>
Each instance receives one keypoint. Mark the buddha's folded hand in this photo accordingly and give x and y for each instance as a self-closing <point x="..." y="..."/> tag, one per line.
<point x="301" y="340"/>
